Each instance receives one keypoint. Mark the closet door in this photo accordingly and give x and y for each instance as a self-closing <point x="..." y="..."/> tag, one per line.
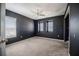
<point x="74" y="29"/>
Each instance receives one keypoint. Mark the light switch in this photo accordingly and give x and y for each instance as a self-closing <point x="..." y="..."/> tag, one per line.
<point x="74" y="35"/>
<point x="21" y="36"/>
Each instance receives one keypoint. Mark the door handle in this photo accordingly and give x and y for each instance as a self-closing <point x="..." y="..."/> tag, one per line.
<point x="2" y="41"/>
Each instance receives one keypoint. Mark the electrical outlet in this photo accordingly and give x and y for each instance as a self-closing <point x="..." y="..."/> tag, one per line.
<point x="58" y="36"/>
<point x="21" y="36"/>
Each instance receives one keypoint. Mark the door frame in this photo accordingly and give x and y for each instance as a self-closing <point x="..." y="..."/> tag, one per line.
<point x="2" y="30"/>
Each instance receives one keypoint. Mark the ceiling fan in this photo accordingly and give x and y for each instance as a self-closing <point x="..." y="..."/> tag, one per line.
<point x="38" y="12"/>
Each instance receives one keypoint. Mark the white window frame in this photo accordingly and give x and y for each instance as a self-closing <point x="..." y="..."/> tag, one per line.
<point x="41" y="26"/>
<point x="50" y="26"/>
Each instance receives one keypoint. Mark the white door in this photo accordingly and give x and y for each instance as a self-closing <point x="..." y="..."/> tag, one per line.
<point x="2" y="29"/>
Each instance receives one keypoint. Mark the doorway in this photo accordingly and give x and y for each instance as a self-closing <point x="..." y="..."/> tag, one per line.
<point x="66" y="28"/>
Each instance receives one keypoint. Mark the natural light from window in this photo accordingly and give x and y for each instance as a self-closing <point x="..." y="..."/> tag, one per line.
<point x="41" y="26"/>
<point x="50" y="26"/>
<point x="10" y="27"/>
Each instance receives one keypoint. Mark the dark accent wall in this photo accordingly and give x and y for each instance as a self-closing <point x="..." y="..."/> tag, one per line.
<point x="25" y="27"/>
<point x="74" y="29"/>
<point x="58" y="22"/>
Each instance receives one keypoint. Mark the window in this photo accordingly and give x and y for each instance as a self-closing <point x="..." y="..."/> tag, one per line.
<point x="50" y="26"/>
<point x="41" y="26"/>
<point x="10" y="27"/>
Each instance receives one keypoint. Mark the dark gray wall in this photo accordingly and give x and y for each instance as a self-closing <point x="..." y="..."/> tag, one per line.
<point x="74" y="29"/>
<point x="25" y="27"/>
<point x="58" y="23"/>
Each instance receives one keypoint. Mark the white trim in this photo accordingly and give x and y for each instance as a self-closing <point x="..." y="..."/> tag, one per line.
<point x="67" y="12"/>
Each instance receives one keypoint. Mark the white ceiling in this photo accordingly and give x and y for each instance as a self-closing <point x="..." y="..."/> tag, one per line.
<point x="30" y="9"/>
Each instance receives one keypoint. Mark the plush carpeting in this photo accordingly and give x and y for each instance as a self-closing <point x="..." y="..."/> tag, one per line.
<point x="37" y="46"/>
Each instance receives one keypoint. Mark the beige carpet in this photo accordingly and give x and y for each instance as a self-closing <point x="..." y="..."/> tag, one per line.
<point x="37" y="46"/>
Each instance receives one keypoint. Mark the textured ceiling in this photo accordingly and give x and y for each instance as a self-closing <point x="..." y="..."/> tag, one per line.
<point x="30" y="9"/>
